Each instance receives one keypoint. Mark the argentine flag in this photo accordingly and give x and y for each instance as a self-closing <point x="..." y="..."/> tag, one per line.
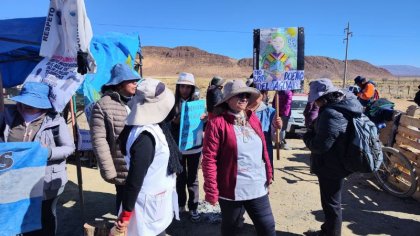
<point x="22" y="171"/>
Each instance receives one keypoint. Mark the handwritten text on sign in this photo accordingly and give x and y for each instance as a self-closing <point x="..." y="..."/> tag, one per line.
<point x="290" y="80"/>
<point x="191" y="129"/>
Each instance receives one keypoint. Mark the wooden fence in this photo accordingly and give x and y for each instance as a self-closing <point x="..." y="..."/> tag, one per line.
<point x="407" y="141"/>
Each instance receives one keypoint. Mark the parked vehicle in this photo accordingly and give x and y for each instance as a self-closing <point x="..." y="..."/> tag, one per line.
<point x="297" y="119"/>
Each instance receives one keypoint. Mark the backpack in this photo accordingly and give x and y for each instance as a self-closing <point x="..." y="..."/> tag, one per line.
<point x="364" y="150"/>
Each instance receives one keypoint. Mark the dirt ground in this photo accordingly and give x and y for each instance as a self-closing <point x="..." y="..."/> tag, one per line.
<point x="294" y="196"/>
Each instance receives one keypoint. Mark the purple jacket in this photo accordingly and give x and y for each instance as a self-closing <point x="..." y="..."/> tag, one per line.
<point x="285" y="102"/>
<point x="310" y="113"/>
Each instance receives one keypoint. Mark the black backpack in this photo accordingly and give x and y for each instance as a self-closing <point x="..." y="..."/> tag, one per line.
<point x="364" y="150"/>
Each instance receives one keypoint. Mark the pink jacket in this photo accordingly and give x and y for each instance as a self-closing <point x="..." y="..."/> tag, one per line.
<point x="220" y="156"/>
<point x="285" y="102"/>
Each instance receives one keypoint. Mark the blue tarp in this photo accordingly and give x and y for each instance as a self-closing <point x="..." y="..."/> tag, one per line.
<point x="20" y="40"/>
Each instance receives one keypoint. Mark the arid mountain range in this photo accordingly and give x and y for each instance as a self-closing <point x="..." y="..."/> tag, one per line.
<point x="168" y="62"/>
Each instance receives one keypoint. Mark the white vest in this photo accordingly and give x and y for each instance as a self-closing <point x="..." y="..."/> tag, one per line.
<point x="157" y="200"/>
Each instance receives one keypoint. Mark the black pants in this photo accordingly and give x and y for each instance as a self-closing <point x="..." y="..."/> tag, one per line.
<point x="119" y="196"/>
<point x="330" y="190"/>
<point x="188" y="178"/>
<point x="258" y="209"/>
<point x="48" y="219"/>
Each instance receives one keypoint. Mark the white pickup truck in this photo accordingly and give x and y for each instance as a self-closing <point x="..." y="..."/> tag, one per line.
<point x="296" y="122"/>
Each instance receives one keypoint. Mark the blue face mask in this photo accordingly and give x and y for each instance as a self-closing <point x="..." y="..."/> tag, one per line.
<point x="31" y="117"/>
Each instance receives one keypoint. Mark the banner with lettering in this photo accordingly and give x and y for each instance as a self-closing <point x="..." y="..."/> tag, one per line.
<point x="278" y="58"/>
<point x="66" y="36"/>
<point x="191" y="127"/>
<point x="22" y="171"/>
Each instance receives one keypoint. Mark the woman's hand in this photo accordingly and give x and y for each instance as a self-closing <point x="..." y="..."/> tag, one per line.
<point x="121" y="225"/>
<point x="277" y="122"/>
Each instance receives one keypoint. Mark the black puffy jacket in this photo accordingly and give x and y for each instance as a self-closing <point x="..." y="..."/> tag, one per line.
<point x="328" y="140"/>
<point x="417" y="98"/>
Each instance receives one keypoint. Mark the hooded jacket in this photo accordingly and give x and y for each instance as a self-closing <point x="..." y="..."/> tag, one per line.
<point x="328" y="140"/>
<point x="54" y="134"/>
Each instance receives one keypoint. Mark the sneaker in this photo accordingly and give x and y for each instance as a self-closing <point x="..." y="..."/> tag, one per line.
<point x="284" y="146"/>
<point x="195" y="216"/>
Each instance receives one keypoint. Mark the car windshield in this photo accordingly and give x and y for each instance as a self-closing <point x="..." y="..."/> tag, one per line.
<point x="298" y="104"/>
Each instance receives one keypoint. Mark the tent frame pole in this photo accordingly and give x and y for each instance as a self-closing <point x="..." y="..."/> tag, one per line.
<point x="77" y="156"/>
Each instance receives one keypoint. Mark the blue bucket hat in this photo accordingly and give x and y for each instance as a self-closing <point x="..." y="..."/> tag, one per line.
<point x="121" y="73"/>
<point x="34" y="94"/>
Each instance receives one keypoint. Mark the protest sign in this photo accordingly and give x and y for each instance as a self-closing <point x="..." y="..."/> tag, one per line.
<point x="22" y="171"/>
<point x="60" y="73"/>
<point x="67" y="33"/>
<point x="278" y="58"/>
<point x="84" y="141"/>
<point x="191" y="127"/>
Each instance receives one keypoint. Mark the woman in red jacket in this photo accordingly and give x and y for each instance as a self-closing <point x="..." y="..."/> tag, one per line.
<point x="235" y="164"/>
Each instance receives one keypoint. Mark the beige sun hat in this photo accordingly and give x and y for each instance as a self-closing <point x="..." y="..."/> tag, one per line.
<point x="151" y="104"/>
<point x="186" y="78"/>
<point x="235" y="87"/>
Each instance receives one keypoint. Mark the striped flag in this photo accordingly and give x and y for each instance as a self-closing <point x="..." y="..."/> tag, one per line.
<point x="22" y="171"/>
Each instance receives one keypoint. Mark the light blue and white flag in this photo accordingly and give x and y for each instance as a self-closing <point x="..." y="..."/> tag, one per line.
<point x="22" y="171"/>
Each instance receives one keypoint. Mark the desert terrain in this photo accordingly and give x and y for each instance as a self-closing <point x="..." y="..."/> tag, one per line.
<point x="294" y="196"/>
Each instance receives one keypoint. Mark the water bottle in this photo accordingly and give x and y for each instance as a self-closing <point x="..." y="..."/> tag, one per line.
<point x="381" y="125"/>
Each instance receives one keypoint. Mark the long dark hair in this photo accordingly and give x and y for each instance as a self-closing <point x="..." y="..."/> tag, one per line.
<point x="220" y="109"/>
<point x="178" y="93"/>
<point x="175" y="156"/>
<point x="332" y="97"/>
<point x="106" y="88"/>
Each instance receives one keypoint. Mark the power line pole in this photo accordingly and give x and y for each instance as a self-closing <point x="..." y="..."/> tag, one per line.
<point x="348" y="33"/>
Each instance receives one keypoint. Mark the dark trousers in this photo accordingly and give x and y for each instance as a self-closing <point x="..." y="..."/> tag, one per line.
<point x="188" y="179"/>
<point x="48" y="219"/>
<point x="119" y="196"/>
<point x="330" y="190"/>
<point x="259" y="210"/>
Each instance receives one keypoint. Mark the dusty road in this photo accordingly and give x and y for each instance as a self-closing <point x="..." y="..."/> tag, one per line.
<point x="294" y="199"/>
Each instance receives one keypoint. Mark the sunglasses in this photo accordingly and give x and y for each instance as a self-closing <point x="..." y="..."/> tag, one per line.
<point x="243" y="95"/>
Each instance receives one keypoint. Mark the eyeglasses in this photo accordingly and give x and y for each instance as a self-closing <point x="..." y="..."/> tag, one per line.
<point x="243" y="95"/>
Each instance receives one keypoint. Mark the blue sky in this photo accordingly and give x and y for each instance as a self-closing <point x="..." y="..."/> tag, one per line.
<point x="385" y="32"/>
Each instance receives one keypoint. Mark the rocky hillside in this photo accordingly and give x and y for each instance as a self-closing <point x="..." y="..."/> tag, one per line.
<point x="168" y="62"/>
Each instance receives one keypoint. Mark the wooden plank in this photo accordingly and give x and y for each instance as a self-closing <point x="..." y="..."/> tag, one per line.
<point x="414" y="134"/>
<point x="409" y="121"/>
<point x="413" y="111"/>
<point x="410" y="156"/>
<point x="403" y="140"/>
<point x="410" y="153"/>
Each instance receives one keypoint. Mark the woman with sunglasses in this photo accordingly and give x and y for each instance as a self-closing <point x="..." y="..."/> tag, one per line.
<point x="235" y="164"/>
<point x="107" y="122"/>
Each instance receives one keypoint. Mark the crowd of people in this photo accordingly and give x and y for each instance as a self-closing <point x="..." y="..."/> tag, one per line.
<point x="135" y="134"/>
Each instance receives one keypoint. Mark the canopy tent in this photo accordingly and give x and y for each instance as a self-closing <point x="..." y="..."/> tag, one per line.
<point x="20" y="41"/>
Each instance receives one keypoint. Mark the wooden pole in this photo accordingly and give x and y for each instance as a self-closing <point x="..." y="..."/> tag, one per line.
<point x="278" y="141"/>
<point x="76" y="154"/>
